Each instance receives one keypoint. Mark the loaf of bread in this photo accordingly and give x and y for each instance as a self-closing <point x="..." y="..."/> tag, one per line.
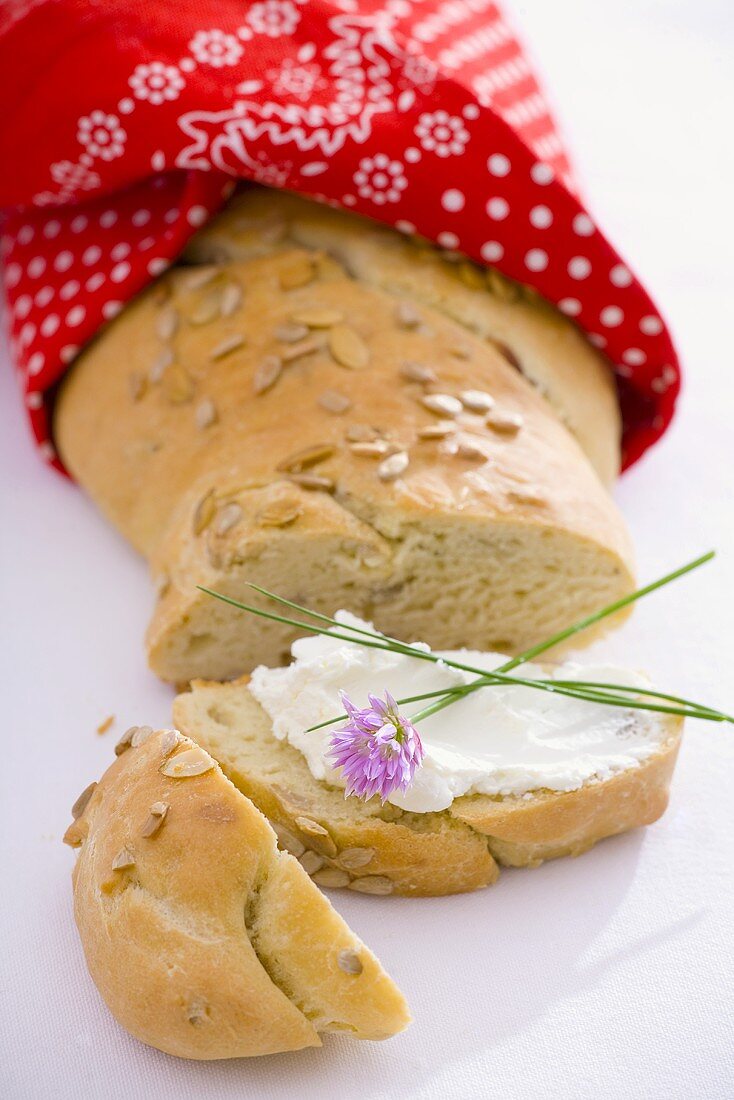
<point x="379" y="849"/>
<point x="204" y="940"/>
<point x="299" y="417"/>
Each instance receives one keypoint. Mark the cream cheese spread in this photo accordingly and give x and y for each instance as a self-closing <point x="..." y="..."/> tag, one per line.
<point x="507" y="740"/>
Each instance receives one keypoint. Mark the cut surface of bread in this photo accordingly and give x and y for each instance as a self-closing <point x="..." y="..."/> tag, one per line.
<point x="204" y="940"/>
<point x="281" y="419"/>
<point x="376" y="849"/>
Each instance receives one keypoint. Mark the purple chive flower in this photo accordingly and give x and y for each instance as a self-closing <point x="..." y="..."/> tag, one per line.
<point x="378" y="749"/>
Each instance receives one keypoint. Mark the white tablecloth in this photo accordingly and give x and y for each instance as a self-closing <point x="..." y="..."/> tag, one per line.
<point x="608" y="976"/>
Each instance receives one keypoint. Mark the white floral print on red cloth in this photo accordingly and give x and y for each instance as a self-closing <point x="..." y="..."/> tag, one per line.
<point x="425" y="115"/>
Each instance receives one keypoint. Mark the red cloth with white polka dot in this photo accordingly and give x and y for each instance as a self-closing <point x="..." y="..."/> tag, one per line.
<point x="124" y="124"/>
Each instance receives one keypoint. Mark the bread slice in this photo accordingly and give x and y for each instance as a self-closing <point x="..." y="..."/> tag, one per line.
<point x="204" y="940"/>
<point x="397" y="465"/>
<point x="377" y="849"/>
<point x="535" y="337"/>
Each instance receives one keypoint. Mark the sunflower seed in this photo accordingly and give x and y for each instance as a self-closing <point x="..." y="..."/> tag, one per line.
<point x="467" y="448"/>
<point x="334" y="402"/>
<point x="141" y="735"/>
<point x="201" y="277"/>
<point x="437" y="431"/>
<point x="377" y="448"/>
<point x="178" y="385"/>
<point x="372" y="884"/>
<point x="188" y="763"/>
<point x="504" y="422"/>
<point x="166" y="326"/>
<point x="304" y="347"/>
<point x="392" y="467"/>
<point x="231" y="299"/>
<point x="442" y="403"/>
<point x="75" y="835"/>
<point x="319" y="837"/>
<point x="228" y="517"/>
<point x="313" y="482"/>
<point x="156" y="817"/>
<point x="352" y="858"/>
<point x="417" y="372"/>
<point x="311" y="862"/>
<point x="289" y="333"/>
<point x="298" y="272"/>
<point x="125" y="741"/>
<point x="406" y="315"/>
<point x="281" y="513"/>
<point x="267" y="374"/>
<point x="348" y="348"/>
<point x="305" y="458"/>
<point x="138" y="384"/>
<point x="349" y="961"/>
<point x="288" y="840"/>
<point x="330" y="877"/>
<point x="460" y="351"/>
<point x="527" y="495"/>
<point x="226" y="347"/>
<point x="161" y="365"/>
<point x="123" y="860"/>
<point x="360" y="433"/>
<point x="477" y="401"/>
<point x="207" y="310"/>
<point x="318" y="317"/>
<point x="169" y="740"/>
<point x="81" y="803"/>
<point x="205" y="414"/>
<point x="502" y="288"/>
<point x="106" y="724"/>
<point x="204" y="512"/>
<point x="471" y="276"/>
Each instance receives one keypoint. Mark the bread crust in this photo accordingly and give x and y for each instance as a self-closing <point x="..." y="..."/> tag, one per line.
<point x="509" y="526"/>
<point x="428" y="854"/>
<point x="206" y="942"/>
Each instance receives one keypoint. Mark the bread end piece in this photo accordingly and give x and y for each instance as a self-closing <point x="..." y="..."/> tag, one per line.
<point x="204" y="940"/>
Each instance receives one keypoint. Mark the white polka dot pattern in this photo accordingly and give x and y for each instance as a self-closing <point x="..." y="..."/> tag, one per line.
<point x="416" y="119"/>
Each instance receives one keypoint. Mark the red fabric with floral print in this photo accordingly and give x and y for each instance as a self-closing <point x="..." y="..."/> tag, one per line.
<point x="125" y="122"/>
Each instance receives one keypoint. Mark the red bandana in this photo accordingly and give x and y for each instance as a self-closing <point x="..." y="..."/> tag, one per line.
<point x="125" y="122"/>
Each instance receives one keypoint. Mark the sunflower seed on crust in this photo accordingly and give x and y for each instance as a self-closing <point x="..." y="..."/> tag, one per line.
<point x="468" y="449"/>
<point x="313" y="482"/>
<point x="289" y="333"/>
<point x="228" y="517"/>
<point x="207" y="310"/>
<point x="137" y="384"/>
<point x="226" y="347"/>
<point x="317" y="317"/>
<point x="306" y="457"/>
<point x="156" y="817"/>
<point x="361" y="433"/>
<point x="476" y="401"/>
<point x="393" y="466"/>
<point x="376" y="448"/>
<point x="352" y="858"/>
<point x="76" y="834"/>
<point x="318" y="837"/>
<point x="348" y="348"/>
<point x="190" y="762"/>
<point x="527" y="495"/>
<point x="204" y="512"/>
<point x="311" y="862"/>
<point x="201" y="277"/>
<point x="437" y="431"/>
<point x="372" y="884"/>
<point x="205" y="414"/>
<point x="281" y="513"/>
<point x="297" y="272"/>
<point x="169" y="740"/>
<point x="504" y="422"/>
<point x="267" y="374"/>
<point x="406" y="315"/>
<point x="330" y="877"/>
<point x="166" y="325"/>
<point x="334" y="402"/>
<point x="349" y="961"/>
<point x="303" y="347"/>
<point x="442" y="403"/>
<point x="417" y="372"/>
<point x="123" y="860"/>
<point x="81" y="803"/>
<point x="177" y="384"/>
<point x="141" y="735"/>
<point x="231" y="299"/>
<point x="288" y="840"/>
<point x="161" y="365"/>
<point x="125" y="741"/>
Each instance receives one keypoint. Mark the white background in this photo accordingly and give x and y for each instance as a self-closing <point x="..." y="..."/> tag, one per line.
<point x="608" y="976"/>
